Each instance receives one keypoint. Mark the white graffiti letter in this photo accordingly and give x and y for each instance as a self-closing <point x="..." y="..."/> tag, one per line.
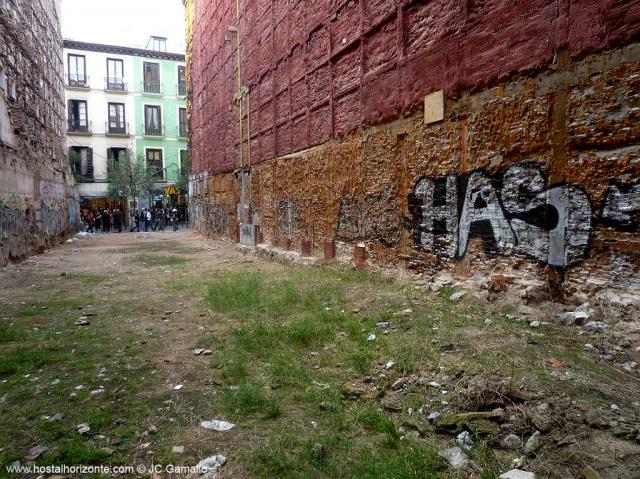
<point x="482" y="216"/>
<point x="438" y="202"/>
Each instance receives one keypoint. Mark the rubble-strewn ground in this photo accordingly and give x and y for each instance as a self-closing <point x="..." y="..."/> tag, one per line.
<point x="326" y="371"/>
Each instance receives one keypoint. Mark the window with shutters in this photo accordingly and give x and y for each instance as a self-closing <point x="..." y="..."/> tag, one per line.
<point x="77" y="70"/>
<point x="182" y="122"/>
<point x="81" y="162"/>
<point x="117" y="124"/>
<point x="152" y="120"/>
<point x="154" y="162"/>
<point x="115" y="75"/>
<point x="151" y="77"/>
<point x="78" y="121"/>
<point x="117" y="154"/>
<point x="182" y="81"/>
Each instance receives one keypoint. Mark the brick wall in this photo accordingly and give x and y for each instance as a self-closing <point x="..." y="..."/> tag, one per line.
<point x="320" y="69"/>
<point x="38" y="203"/>
<point x="537" y="157"/>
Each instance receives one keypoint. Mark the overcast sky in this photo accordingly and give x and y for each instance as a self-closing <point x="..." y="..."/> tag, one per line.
<point x="127" y="23"/>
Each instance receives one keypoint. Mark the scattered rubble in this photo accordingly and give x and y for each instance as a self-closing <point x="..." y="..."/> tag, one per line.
<point x="212" y="463"/>
<point x="511" y="441"/>
<point x="533" y="443"/>
<point x="36" y="451"/>
<point x="83" y="428"/>
<point x="56" y="417"/>
<point x="517" y="474"/>
<point x="464" y="440"/>
<point x="455" y="457"/>
<point x="455" y="297"/>
<point x="594" y="326"/>
<point x="541" y="417"/>
<point x="575" y="317"/>
<point x="434" y="416"/>
<point x="217" y="425"/>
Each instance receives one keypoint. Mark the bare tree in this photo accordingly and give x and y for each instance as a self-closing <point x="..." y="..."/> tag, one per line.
<point x="129" y="177"/>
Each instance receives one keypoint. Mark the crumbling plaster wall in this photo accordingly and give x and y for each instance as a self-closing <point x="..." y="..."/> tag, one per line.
<point x="38" y="202"/>
<point x="536" y="163"/>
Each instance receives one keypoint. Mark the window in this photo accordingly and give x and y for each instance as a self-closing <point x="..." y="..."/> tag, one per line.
<point x="77" y="121"/>
<point x="182" y="81"/>
<point x="182" y="122"/>
<point x="115" y="74"/>
<point x="116" y="154"/>
<point x="152" y="120"/>
<point x="151" y="77"/>
<point x="116" y="119"/>
<point x="158" y="44"/>
<point x="184" y="162"/>
<point x="81" y="161"/>
<point x="77" y="70"/>
<point x="154" y="161"/>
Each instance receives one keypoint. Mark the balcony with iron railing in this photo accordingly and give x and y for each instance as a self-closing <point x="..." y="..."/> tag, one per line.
<point x="82" y="173"/>
<point x="77" y="81"/>
<point x="75" y="127"/>
<point x="116" y="129"/>
<point x="158" y="175"/>
<point x="153" y="131"/>
<point x="152" y="88"/>
<point x="84" y="177"/>
<point x="115" y="85"/>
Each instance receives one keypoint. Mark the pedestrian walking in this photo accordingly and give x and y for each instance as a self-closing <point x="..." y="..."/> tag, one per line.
<point x="106" y="221"/>
<point x="90" y="222"/>
<point x="135" y="224"/>
<point x="97" y="220"/>
<point x="161" y="219"/>
<point x="174" y="219"/>
<point x="154" y="225"/>
<point x="147" y="219"/>
<point x="117" y="220"/>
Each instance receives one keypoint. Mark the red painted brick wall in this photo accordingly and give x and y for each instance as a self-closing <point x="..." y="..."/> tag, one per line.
<point x="319" y="69"/>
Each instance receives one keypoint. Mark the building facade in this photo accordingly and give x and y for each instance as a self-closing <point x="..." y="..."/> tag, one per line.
<point x="38" y="203"/>
<point x="436" y="133"/>
<point x="125" y="101"/>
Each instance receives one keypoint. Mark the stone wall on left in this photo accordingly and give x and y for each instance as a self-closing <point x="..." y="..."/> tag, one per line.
<point x="38" y="198"/>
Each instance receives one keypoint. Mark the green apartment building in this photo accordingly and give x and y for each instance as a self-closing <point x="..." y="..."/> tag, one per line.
<point x="126" y="100"/>
<point x="161" y="129"/>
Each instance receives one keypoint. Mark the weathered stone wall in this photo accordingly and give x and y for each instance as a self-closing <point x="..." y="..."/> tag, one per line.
<point x="38" y="202"/>
<point x="535" y="165"/>
<point x="544" y="169"/>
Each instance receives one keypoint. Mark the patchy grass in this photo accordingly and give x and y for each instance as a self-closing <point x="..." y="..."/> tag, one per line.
<point x="164" y="247"/>
<point x="151" y="260"/>
<point x="291" y="364"/>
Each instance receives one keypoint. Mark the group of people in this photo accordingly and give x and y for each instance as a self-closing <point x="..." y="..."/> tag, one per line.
<point x="106" y="220"/>
<point x="146" y="219"/>
<point x="156" y="218"/>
